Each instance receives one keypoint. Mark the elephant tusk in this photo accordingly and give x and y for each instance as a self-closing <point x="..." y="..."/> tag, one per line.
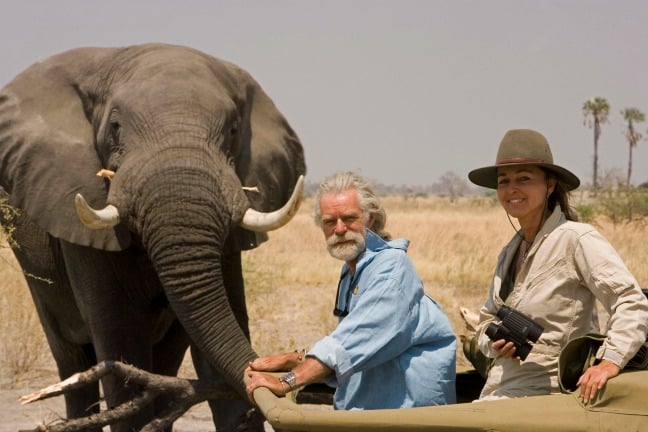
<point x="106" y="218"/>
<point x="250" y="188"/>
<point x="261" y="222"/>
<point x="106" y="173"/>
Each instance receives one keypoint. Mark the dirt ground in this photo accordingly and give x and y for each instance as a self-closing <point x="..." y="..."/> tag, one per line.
<point x="17" y="417"/>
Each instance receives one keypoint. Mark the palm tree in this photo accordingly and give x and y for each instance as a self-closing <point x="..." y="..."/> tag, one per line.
<point x="596" y="112"/>
<point x="632" y="116"/>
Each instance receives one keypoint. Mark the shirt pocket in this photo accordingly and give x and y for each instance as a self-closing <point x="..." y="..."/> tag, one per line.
<point x="544" y="279"/>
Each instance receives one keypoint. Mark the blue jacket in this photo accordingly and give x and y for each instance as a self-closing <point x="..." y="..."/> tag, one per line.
<point x="396" y="347"/>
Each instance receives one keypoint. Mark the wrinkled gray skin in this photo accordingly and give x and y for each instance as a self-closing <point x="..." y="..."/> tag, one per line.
<point x="184" y="132"/>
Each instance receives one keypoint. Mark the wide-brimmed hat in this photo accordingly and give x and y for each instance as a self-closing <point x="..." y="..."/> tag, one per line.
<point x="523" y="147"/>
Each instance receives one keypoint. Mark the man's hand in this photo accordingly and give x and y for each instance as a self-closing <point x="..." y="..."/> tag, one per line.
<point x="594" y="379"/>
<point x="307" y="371"/>
<point x="260" y="379"/>
<point x="275" y="363"/>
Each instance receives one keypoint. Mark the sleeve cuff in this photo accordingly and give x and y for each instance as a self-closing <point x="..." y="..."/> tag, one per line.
<point x="604" y="353"/>
<point x="333" y="355"/>
<point x="484" y="343"/>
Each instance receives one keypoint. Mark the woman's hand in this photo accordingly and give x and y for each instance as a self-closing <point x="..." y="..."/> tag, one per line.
<point x="504" y="349"/>
<point x="275" y="363"/>
<point x="594" y="379"/>
<point x="260" y="379"/>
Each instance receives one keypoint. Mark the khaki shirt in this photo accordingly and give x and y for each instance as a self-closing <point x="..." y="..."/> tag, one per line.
<point x="568" y="267"/>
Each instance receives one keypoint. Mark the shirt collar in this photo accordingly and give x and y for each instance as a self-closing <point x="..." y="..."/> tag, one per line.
<point x="375" y="244"/>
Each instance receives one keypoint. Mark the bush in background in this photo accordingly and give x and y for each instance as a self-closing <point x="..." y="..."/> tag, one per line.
<point x="619" y="205"/>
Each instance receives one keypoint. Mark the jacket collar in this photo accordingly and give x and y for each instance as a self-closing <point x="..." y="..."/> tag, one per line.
<point x="555" y="219"/>
<point x="374" y="245"/>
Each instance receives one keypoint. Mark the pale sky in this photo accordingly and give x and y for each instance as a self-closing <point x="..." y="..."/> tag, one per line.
<point x="403" y="91"/>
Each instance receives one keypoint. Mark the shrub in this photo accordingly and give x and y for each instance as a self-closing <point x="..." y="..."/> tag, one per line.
<point x="8" y="215"/>
<point x="623" y="205"/>
<point x="586" y="212"/>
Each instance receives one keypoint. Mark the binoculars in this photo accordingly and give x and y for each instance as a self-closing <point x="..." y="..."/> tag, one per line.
<point x="517" y="328"/>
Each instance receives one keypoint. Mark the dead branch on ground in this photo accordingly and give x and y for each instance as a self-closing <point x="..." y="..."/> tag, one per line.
<point x="183" y="395"/>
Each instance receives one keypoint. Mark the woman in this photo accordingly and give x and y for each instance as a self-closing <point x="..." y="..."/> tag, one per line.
<point x="553" y="270"/>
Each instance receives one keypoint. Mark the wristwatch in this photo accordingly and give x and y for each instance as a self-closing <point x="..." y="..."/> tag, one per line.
<point x="290" y="379"/>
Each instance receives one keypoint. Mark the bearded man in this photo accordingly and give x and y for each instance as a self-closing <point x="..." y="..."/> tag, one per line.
<point x="394" y="346"/>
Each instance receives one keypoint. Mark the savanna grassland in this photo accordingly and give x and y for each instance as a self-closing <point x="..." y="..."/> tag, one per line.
<point x="291" y="280"/>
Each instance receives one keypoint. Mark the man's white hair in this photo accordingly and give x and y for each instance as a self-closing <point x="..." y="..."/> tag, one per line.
<point x="369" y="201"/>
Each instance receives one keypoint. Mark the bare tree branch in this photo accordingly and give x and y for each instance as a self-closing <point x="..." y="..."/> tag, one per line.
<point x="183" y="394"/>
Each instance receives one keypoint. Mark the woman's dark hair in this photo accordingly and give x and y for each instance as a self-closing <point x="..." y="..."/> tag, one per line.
<point x="560" y="196"/>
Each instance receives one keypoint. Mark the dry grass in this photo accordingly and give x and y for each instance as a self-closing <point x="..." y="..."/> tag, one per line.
<point x="292" y="280"/>
<point x="23" y="349"/>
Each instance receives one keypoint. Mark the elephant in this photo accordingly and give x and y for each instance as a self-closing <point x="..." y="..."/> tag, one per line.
<point x="140" y="174"/>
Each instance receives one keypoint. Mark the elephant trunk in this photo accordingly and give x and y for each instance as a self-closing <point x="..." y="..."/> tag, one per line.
<point x="184" y="222"/>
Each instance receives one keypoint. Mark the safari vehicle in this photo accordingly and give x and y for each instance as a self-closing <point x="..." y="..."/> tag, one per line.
<point x="621" y="406"/>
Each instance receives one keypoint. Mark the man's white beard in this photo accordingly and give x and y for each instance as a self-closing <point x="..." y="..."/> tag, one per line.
<point x="340" y="249"/>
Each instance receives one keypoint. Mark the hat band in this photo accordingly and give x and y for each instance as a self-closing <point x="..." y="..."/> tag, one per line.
<point x="519" y="161"/>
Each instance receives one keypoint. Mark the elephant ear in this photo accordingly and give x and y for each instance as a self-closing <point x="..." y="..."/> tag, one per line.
<point x="271" y="157"/>
<point x="47" y="152"/>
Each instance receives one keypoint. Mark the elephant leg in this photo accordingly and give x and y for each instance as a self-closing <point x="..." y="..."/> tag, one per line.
<point x="230" y="415"/>
<point x="70" y="358"/>
<point x="40" y="257"/>
<point x="168" y="355"/>
<point x="116" y="304"/>
<point x="169" y="352"/>
<point x="236" y="415"/>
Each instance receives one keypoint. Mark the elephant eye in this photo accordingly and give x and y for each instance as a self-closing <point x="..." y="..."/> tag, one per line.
<point x="233" y="138"/>
<point x="233" y="144"/>
<point x="115" y="129"/>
